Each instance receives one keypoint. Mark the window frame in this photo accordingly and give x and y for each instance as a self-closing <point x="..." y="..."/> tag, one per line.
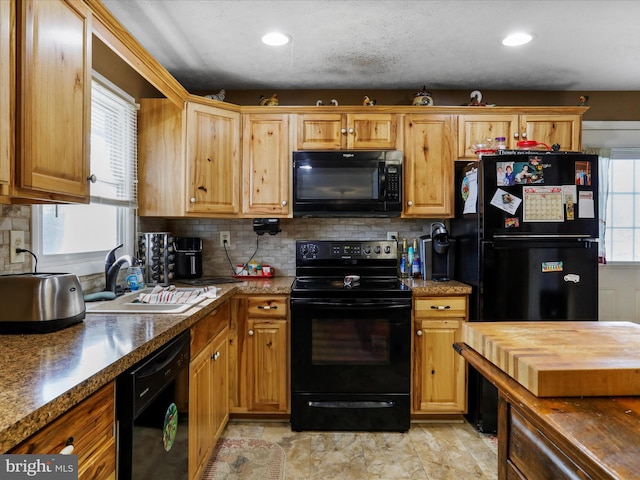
<point x="88" y="263"/>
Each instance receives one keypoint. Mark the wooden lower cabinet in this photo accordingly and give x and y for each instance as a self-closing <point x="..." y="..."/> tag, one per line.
<point x="208" y="387"/>
<point x="260" y="352"/>
<point x="439" y="374"/>
<point x="90" y="428"/>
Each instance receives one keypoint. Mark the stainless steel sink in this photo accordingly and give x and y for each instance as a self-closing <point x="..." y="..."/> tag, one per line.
<point x="125" y="304"/>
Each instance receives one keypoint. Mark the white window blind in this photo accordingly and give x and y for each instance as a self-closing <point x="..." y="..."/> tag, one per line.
<point x="113" y="146"/>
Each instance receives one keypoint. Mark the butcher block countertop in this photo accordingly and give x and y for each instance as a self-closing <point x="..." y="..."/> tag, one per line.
<point x="577" y="437"/>
<point x="562" y="359"/>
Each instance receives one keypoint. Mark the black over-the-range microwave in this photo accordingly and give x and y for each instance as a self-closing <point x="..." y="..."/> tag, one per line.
<point x="353" y="183"/>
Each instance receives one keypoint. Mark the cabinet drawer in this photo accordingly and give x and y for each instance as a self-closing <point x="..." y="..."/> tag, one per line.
<point x="88" y="426"/>
<point x="267" y="306"/>
<point x="441" y="307"/>
<point x="206" y="329"/>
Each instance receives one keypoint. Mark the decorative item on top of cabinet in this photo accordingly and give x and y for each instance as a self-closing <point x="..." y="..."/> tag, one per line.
<point x="53" y="101"/>
<point x="266" y="162"/>
<point x="87" y="429"/>
<point x="550" y="125"/>
<point x="271" y="101"/>
<point x="208" y="386"/>
<point x="423" y="97"/>
<point x="260" y="355"/>
<point x="428" y="165"/>
<point x="217" y="96"/>
<point x="335" y="131"/>
<point x="439" y="373"/>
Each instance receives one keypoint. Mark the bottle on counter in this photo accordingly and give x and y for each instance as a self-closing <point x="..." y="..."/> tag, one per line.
<point x="404" y="261"/>
<point x="416" y="271"/>
<point x="500" y="143"/>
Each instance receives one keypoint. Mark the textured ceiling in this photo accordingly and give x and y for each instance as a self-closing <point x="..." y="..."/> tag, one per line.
<point x="390" y="44"/>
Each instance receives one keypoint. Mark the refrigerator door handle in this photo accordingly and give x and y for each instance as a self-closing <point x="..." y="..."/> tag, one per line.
<point x="544" y="237"/>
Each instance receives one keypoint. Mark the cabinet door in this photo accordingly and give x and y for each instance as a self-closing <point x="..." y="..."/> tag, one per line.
<point x="564" y="130"/>
<point x="266" y="165"/>
<point x="220" y="382"/>
<point x="371" y="131"/>
<point x="213" y="160"/>
<point x="200" y="411"/>
<point x="477" y="128"/>
<point x="90" y="427"/>
<point x="7" y="45"/>
<point x="439" y="380"/>
<point x="428" y="166"/>
<point x="54" y="95"/>
<point x="320" y="131"/>
<point x="267" y="345"/>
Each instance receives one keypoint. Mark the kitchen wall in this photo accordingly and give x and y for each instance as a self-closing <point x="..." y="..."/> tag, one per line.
<point x="278" y="250"/>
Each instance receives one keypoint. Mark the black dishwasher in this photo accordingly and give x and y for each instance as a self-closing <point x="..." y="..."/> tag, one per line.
<point x="151" y="410"/>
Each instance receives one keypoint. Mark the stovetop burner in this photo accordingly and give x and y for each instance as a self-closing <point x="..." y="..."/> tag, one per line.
<point x="324" y="267"/>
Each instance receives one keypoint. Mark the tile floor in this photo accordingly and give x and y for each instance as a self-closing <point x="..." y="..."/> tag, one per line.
<point x="429" y="451"/>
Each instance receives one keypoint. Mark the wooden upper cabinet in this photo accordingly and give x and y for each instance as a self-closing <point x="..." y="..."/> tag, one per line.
<point x="561" y="125"/>
<point x="266" y="165"/>
<point x="7" y="72"/>
<point x="53" y="100"/>
<point x="188" y="159"/>
<point x="213" y="160"/>
<point x="334" y="131"/>
<point x="565" y="130"/>
<point x="478" y="128"/>
<point x="428" y="165"/>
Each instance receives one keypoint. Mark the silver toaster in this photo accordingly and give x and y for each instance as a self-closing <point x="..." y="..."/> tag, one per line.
<point x="40" y="302"/>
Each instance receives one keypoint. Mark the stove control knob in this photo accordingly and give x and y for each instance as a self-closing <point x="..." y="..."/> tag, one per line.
<point x="377" y="249"/>
<point x="313" y="249"/>
<point x="367" y="250"/>
<point x="387" y="249"/>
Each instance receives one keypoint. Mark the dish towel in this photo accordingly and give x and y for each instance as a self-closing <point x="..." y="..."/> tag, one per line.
<point x="171" y="294"/>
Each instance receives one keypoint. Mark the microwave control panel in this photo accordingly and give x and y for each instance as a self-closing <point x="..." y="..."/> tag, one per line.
<point x="393" y="184"/>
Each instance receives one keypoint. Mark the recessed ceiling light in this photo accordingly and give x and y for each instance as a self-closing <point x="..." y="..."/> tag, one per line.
<point x="517" y="39"/>
<point x="276" y="39"/>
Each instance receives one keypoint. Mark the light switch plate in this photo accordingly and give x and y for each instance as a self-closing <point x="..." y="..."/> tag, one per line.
<point x="16" y="240"/>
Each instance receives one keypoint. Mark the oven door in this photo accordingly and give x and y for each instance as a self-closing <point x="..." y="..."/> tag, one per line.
<point x="350" y="345"/>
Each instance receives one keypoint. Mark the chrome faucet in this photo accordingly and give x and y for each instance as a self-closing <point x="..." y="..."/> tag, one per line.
<point x="112" y="267"/>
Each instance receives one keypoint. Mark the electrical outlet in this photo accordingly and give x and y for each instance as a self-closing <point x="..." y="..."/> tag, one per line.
<point x="225" y="238"/>
<point x="392" y="235"/>
<point x="16" y="240"/>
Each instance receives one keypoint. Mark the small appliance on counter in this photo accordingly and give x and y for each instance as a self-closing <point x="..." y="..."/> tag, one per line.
<point x="437" y="252"/>
<point x="40" y="302"/>
<point x="157" y="256"/>
<point x="188" y="253"/>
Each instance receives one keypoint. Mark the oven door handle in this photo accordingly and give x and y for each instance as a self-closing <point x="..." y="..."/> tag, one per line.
<point x="339" y="304"/>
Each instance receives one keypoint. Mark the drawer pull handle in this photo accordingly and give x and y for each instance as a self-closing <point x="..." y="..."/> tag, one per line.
<point x="268" y="307"/>
<point x="440" y="307"/>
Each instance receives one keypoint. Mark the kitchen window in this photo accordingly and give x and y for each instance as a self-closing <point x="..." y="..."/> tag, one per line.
<point x="76" y="238"/>
<point x="622" y="217"/>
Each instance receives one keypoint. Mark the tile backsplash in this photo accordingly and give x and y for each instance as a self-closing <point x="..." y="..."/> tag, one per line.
<point x="275" y="250"/>
<point x="278" y="250"/>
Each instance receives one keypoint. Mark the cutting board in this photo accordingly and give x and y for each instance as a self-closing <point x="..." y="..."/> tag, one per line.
<point x="563" y="359"/>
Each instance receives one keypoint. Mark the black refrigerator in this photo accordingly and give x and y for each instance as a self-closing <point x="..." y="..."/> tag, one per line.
<point x="526" y="229"/>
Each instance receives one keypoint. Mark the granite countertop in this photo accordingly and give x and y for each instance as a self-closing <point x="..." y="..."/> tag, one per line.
<point x="422" y="288"/>
<point x="44" y="375"/>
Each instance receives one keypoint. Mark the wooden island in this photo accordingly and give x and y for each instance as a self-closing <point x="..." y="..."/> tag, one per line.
<point x="593" y="435"/>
